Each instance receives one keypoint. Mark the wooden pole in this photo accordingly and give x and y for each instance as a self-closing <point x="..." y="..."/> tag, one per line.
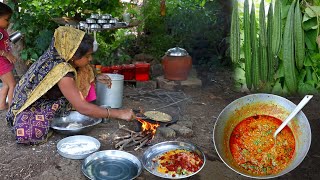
<point x="163" y="7"/>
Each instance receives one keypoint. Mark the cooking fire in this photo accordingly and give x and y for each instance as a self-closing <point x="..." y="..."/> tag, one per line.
<point x="138" y="139"/>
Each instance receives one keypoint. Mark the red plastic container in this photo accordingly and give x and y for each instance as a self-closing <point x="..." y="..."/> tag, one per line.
<point x="142" y="71"/>
<point x="116" y="69"/>
<point x="128" y="71"/>
<point x="106" y="69"/>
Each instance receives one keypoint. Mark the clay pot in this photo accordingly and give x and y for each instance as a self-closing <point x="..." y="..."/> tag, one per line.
<point x="176" y="64"/>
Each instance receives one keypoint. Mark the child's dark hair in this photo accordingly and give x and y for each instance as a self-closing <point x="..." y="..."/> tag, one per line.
<point x="5" y="9"/>
<point x="84" y="47"/>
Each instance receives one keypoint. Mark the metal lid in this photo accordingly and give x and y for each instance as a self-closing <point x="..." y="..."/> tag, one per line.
<point x="177" y="52"/>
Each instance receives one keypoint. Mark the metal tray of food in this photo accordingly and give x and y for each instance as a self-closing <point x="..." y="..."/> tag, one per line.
<point x="111" y="165"/>
<point x="74" y="123"/>
<point x="78" y="147"/>
<point x="152" y="156"/>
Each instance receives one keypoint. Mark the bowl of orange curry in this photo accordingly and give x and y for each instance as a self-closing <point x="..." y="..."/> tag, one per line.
<point x="243" y="136"/>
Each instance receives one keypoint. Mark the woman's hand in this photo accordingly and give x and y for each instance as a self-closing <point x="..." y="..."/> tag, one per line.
<point x="126" y="114"/>
<point x="10" y="57"/>
<point x="104" y="79"/>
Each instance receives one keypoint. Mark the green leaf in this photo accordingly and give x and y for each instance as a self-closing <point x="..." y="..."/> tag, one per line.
<point x="308" y="61"/>
<point x="310" y="24"/>
<point x="34" y="56"/>
<point x="310" y="39"/>
<point x="315" y="58"/>
<point x="279" y="72"/>
<point x="307" y="88"/>
<point x="277" y="88"/>
<point x="313" y="11"/>
<point x="24" y="55"/>
<point x="306" y="17"/>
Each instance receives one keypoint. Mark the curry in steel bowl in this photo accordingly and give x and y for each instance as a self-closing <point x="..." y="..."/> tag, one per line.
<point x="255" y="150"/>
<point x="243" y="128"/>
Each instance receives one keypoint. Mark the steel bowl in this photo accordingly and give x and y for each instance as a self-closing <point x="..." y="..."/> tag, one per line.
<point x="102" y="21"/>
<point x="113" y="21"/>
<point x="160" y="148"/>
<point x="83" y="25"/>
<point x="95" y="26"/>
<point x="107" y="26"/>
<point x="260" y="104"/>
<point x="77" y="147"/>
<point x="90" y="21"/>
<point x="106" y="16"/>
<point x="74" y="123"/>
<point x="94" y="16"/>
<point x="111" y="165"/>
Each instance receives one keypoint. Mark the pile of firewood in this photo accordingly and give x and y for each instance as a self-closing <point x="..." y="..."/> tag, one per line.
<point x="138" y="139"/>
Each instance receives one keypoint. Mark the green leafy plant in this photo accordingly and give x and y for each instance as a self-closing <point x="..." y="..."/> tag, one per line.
<point x="34" y="19"/>
<point x="115" y="52"/>
<point x="187" y="24"/>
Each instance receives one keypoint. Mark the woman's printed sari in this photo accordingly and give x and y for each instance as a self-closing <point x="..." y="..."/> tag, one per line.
<point x="30" y="113"/>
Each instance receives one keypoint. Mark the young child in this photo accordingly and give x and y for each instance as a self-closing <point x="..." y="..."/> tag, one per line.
<point x="6" y="59"/>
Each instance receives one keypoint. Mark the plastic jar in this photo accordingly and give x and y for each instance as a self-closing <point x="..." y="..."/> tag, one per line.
<point x="116" y="69"/>
<point x="106" y="69"/>
<point x="128" y="71"/>
<point x="142" y="71"/>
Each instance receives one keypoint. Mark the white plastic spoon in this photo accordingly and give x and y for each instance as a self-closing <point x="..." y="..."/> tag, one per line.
<point x="302" y="103"/>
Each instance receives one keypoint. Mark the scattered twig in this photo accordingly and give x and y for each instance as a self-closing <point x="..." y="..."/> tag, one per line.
<point x="171" y="104"/>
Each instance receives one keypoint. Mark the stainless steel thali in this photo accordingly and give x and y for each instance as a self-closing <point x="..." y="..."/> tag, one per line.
<point x="160" y="148"/>
<point x="111" y="165"/>
<point x="77" y="147"/>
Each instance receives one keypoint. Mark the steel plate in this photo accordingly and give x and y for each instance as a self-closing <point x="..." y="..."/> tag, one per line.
<point x="85" y="123"/>
<point x="111" y="165"/>
<point x="160" y="148"/>
<point x="77" y="147"/>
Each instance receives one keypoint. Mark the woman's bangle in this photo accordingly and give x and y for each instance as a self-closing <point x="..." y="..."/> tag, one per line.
<point x="108" y="113"/>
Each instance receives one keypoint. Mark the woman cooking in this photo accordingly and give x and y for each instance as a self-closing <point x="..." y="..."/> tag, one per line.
<point x="58" y="81"/>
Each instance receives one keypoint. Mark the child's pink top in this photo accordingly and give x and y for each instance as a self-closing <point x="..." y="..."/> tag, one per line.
<point x="92" y="93"/>
<point x="5" y="65"/>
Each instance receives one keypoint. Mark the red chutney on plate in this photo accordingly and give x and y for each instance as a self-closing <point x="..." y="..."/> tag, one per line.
<point x="253" y="147"/>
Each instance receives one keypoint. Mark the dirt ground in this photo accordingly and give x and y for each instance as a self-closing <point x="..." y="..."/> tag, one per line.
<point x="43" y="162"/>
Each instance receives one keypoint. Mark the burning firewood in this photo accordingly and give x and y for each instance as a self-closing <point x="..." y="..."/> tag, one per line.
<point x="136" y="138"/>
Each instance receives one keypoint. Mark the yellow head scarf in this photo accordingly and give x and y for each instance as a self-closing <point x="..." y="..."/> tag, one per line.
<point x="67" y="41"/>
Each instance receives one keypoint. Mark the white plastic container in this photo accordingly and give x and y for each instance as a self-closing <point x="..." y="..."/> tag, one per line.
<point x="111" y="97"/>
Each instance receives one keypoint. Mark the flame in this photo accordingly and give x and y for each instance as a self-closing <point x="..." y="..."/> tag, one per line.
<point x="148" y="127"/>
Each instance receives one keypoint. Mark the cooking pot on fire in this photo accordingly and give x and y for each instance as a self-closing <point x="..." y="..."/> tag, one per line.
<point x="261" y="104"/>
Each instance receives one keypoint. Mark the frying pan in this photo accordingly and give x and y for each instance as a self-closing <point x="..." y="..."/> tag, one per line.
<point x="140" y="115"/>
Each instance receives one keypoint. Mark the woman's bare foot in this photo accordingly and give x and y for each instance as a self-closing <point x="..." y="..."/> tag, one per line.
<point x="3" y="107"/>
